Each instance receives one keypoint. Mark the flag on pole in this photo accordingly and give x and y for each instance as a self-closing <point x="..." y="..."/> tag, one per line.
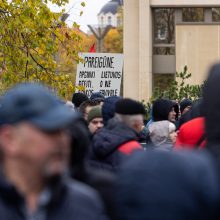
<point x="92" y="49"/>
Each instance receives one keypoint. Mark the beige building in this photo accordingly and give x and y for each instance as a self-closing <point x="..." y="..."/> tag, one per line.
<point x="162" y="36"/>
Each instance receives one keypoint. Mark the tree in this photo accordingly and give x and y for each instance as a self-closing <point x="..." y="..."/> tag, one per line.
<point x="29" y="41"/>
<point x="179" y="89"/>
<point x="113" y="41"/>
<point x="66" y="65"/>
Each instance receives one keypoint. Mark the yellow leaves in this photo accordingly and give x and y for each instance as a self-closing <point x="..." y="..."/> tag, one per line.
<point x="34" y="47"/>
<point x="75" y="25"/>
<point x="113" y="42"/>
<point x="83" y="4"/>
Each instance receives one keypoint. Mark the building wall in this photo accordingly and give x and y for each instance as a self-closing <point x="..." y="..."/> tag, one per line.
<point x="198" y="47"/>
<point x="137" y="49"/>
<point x="138" y="44"/>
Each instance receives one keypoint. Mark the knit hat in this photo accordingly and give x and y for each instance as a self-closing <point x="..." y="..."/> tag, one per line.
<point x="79" y="98"/>
<point x="108" y="108"/>
<point x="95" y="112"/>
<point x="97" y="95"/>
<point x="128" y="106"/>
<point x="184" y="103"/>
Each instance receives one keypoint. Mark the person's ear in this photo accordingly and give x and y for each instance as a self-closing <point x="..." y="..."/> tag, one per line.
<point x="7" y="140"/>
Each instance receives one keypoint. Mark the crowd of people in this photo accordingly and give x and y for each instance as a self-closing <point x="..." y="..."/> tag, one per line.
<point x="98" y="158"/>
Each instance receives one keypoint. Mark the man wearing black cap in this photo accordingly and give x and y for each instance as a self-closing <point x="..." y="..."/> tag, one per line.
<point x="119" y="137"/>
<point x="34" y="156"/>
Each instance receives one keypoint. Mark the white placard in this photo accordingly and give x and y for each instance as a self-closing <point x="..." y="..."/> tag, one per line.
<point x="100" y="72"/>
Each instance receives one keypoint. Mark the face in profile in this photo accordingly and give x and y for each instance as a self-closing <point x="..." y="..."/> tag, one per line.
<point x="45" y="152"/>
<point x="172" y="115"/>
<point x="173" y="136"/>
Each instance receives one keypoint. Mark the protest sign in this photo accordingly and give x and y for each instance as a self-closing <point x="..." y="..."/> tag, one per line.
<point x="100" y="72"/>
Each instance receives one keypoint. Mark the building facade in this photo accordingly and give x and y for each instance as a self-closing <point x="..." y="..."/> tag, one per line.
<point x="163" y="36"/>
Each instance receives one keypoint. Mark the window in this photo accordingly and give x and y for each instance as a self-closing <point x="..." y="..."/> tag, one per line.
<point x="216" y="14"/>
<point x="164" y="50"/>
<point x="102" y="21"/>
<point x="109" y="20"/>
<point x="164" y="27"/>
<point x="193" y="14"/>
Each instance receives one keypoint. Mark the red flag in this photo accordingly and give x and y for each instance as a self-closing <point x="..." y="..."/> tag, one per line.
<point x="92" y="49"/>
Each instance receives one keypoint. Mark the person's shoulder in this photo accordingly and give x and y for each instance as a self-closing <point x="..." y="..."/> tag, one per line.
<point x="81" y="190"/>
<point x="85" y="200"/>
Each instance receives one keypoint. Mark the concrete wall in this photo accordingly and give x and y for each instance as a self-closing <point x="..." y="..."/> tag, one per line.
<point x="198" y="47"/>
<point x="138" y="45"/>
<point x="137" y="49"/>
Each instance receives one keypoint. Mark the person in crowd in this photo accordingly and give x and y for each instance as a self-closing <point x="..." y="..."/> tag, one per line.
<point x="78" y="98"/>
<point x="211" y="105"/>
<point x="164" y="109"/>
<point x="185" y="105"/>
<point x="108" y="108"/>
<point x="95" y="121"/>
<point x="87" y="105"/>
<point x="80" y="170"/>
<point x="119" y="137"/>
<point x="35" y="148"/>
<point x="168" y="185"/>
<point x="162" y="135"/>
<point x="97" y="96"/>
<point x="191" y="134"/>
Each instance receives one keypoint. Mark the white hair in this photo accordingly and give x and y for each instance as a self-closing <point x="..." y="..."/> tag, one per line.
<point x="129" y="120"/>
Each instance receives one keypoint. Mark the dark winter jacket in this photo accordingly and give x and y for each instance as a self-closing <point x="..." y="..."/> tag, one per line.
<point x="69" y="200"/>
<point x="194" y="112"/>
<point x="161" y="185"/>
<point x="111" y="144"/>
<point x="211" y="107"/>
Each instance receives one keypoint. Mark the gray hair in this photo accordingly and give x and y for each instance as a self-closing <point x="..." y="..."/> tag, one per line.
<point x="129" y="120"/>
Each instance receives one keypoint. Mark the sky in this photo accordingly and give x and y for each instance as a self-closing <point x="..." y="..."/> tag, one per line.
<point x="89" y="15"/>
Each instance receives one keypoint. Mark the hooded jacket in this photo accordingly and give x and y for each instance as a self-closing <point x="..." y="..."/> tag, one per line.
<point x="111" y="144"/>
<point x="159" y="134"/>
<point x="161" y="109"/>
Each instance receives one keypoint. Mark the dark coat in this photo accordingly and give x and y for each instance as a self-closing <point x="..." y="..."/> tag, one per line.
<point x="159" y="185"/>
<point x="106" y="145"/>
<point x="194" y="112"/>
<point x="211" y="108"/>
<point x="70" y="200"/>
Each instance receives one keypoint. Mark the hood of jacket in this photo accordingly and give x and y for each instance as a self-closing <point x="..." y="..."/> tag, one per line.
<point x="109" y="138"/>
<point x="161" y="109"/>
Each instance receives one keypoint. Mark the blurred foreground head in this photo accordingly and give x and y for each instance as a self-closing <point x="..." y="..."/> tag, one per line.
<point x="33" y="135"/>
<point x="166" y="185"/>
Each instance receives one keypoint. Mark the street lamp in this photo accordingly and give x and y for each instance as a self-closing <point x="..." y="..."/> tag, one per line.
<point x="99" y="33"/>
